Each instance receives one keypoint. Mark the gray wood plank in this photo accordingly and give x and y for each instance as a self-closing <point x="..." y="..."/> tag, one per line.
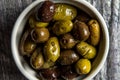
<point x="9" y="11"/>
<point x="114" y="55"/>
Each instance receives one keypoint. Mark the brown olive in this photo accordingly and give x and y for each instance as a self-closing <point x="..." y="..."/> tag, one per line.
<point x="67" y="41"/>
<point x="26" y="44"/>
<point x="80" y="31"/>
<point x="37" y="59"/>
<point x="40" y="35"/>
<point x="82" y="16"/>
<point x="46" y="11"/>
<point x="67" y="72"/>
<point x="50" y="73"/>
<point x="68" y="57"/>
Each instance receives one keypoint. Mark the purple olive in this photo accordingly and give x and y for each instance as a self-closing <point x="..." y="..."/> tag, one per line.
<point x="46" y="11"/>
<point x="68" y="57"/>
<point x="67" y="41"/>
<point x="80" y="31"/>
<point x="50" y="73"/>
<point x="67" y="73"/>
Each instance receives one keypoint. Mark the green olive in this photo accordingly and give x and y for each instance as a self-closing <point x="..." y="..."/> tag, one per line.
<point x="83" y="66"/>
<point x="34" y="23"/>
<point x="64" y="12"/>
<point x="62" y="27"/>
<point x="48" y="64"/>
<point x="86" y="50"/>
<point x="37" y="59"/>
<point x="40" y="35"/>
<point x="26" y="44"/>
<point x="80" y="31"/>
<point x="52" y="49"/>
<point x="68" y="57"/>
<point x="67" y="41"/>
<point x="94" y="32"/>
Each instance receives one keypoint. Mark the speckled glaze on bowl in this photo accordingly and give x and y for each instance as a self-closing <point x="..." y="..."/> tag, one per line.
<point x="83" y="5"/>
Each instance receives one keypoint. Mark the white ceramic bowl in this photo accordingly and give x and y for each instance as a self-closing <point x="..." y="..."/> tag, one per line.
<point x="82" y="4"/>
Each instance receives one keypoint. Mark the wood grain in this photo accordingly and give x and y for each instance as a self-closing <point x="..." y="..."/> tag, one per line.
<point x="10" y="10"/>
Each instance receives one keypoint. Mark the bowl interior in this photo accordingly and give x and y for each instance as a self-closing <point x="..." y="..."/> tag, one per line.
<point x="19" y="26"/>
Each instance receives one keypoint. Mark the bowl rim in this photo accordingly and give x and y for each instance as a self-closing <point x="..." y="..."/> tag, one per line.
<point x="27" y="10"/>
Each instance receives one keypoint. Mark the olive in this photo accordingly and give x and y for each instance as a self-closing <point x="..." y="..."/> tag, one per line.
<point x="50" y="73"/>
<point x="40" y="35"/>
<point x="48" y="64"/>
<point x="94" y="28"/>
<point x="86" y="50"/>
<point x="37" y="59"/>
<point x="64" y="12"/>
<point x="34" y="23"/>
<point x="68" y="57"/>
<point x="80" y="31"/>
<point x="67" y="41"/>
<point x="67" y="72"/>
<point x="62" y="27"/>
<point x="26" y="44"/>
<point x="46" y="11"/>
<point x="69" y="75"/>
<point x="52" y="49"/>
<point x="83" y="17"/>
<point x="83" y="66"/>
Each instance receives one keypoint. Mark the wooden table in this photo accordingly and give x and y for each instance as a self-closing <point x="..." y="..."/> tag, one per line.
<point x="10" y="10"/>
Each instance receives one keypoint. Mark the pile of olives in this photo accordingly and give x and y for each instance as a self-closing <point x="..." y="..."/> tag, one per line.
<point x="60" y="41"/>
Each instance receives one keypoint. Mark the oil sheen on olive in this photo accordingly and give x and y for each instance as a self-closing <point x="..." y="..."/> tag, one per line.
<point x="86" y="50"/>
<point x="67" y="41"/>
<point x="83" y="66"/>
<point x="68" y="57"/>
<point x="52" y="49"/>
<point x="80" y="31"/>
<point x="27" y="46"/>
<point x="64" y="12"/>
<point x="37" y="59"/>
<point x="62" y="27"/>
<point x="46" y="11"/>
<point x="40" y="35"/>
